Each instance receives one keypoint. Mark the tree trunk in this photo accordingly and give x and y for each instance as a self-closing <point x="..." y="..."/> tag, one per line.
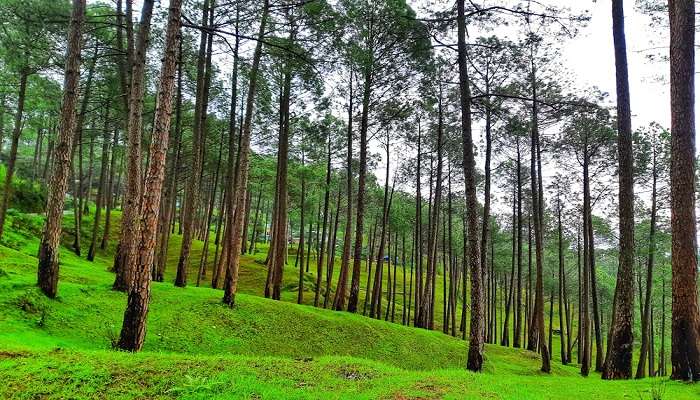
<point x="109" y="191"/>
<point x="204" y="76"/>
<point x="278" y="258"/>
<point x="475" y="357"/>
<point x="341" y="288"/>
<point x="232" y="164"/>
<point x="505" y="336"/>
<point x="536" y="335"/>
<point x="170" y="189"/>
<point x="685" y="326"/>
<point x="375" y="307"/>
<point x="519" y="288"/>
<point x="647" y="331"/>
<point x="99" y="200"/>
<point x="618" y="364"/>
<point x="326" y="200"/>
<point x="361" y="183"/>
<point x="231" y="281"/>
<point x="254" y="235"/>
<point x="585" y="276"/>
<point x="331" y="253"/>
<point x="126" y="249"/>
<point x="300" y="293"/>
<point x="133" y="330"/>
<point x="47" y="275"/>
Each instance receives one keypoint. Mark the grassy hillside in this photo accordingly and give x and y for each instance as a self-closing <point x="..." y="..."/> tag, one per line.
<point x="261" y="349"/>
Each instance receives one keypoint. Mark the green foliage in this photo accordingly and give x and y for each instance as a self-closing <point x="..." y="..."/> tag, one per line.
<point x="27" y="196"/>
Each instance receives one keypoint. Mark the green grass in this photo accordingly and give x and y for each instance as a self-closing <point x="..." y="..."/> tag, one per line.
<point x="261" y="349"/>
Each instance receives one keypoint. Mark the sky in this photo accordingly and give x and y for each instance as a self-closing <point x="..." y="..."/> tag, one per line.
<point x="590" y="57"/>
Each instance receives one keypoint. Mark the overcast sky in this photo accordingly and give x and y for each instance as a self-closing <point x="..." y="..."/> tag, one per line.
<point x="590" y="57"/>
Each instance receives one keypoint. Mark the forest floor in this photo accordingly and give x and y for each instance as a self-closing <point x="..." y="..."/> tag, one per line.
<point x="196" y="348"/>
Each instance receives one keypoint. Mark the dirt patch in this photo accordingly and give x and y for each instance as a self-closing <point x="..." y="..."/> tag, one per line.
<point x="353" y="373"/>
<point x="5" y="354"/>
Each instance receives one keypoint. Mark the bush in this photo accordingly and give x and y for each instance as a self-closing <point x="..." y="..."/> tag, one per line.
<point x="26" y="224"/>
<point x="27" y="196"/>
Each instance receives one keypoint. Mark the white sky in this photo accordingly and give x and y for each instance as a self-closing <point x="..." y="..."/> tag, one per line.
<point x="591" y="59"/>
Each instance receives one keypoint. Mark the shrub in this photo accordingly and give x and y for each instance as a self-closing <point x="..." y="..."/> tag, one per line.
<point x="27" y="196"/>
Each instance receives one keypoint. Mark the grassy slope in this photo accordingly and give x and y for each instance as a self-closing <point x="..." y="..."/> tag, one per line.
<point x="196" y="348"/>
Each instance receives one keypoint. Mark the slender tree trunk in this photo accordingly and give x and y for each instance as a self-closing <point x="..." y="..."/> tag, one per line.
<point x="475" y="358"/>
<point x="99" y="200"/>
<point x="170" y="189"/>
<point x="418" y="235"/>
<point x="231" y="281"/>
<point x="204" y="76"/>
<point x="662" y="350"/>
<point x="375" y="308"/>
<point x="562" y="327"/>
<point x="600" y="353"/>
<point x="585" y="276"/>
<point x="618" y="364"/>
<point x="536" y="336"/>
<point x="127" y="247"/>
<point x="331" y="252"/>
<point x="232" y="164"/>
<point x="519" y="289"/>
<point x="326" y="200"/>
<point x="300" y="294"/>
<point x="254" y="235"/>
<point x="202" y="273"/>
<point x="647" y="331"/>
<point x="485" y="223"/>
<point x="47" y="274"/>
<point x="280" y="233"/>
<point x="341" y="288"/>
<point x="88" y="187"/>
<point x="505" y="336"/>
<point x="109" y="191"/>
<point x="361" y="183"/>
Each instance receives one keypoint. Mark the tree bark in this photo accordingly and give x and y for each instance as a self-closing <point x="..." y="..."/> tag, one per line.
<point x="126" y="249"/>
<point x="341" y="288"/>
<point x="99" y="199"/>
<point x="685" y="326"/>
<point x="618" y="364"/>
<point x="361" y="183"/>
<point x="204" y="76"/>
<point x="133" y="330"/>
<point x="647" y="331"/>
<point x="231" y="281"/>
<point x="47" y="274"/>
<point x="475" y="357"/>
<point x="536" y="335"/>
<point x="326" y="201"/>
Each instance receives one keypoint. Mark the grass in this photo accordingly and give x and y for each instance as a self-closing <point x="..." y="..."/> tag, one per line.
<point x="196" y="348"/>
